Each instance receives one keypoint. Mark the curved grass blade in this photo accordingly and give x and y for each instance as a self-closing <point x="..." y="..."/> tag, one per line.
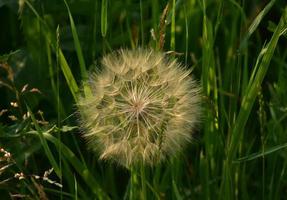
<point x="79" y="52"/>
<point x="256" y="23"/>
<point x="261" y="154"/>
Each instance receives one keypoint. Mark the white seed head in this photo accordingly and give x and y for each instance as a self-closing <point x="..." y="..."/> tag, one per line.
<point x="143" y="107"/>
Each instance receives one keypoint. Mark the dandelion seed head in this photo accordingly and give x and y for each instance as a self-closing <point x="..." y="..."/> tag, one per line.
<point x="143" y="107"/>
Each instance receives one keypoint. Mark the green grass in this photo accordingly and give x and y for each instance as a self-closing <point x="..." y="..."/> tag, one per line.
<point x="236" y="49"/>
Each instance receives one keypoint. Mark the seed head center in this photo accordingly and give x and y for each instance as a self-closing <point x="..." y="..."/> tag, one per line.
<point x="138" y="106"/>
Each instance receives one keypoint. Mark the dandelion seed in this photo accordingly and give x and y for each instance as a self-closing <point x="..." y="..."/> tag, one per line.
<point x="144" y="107"/>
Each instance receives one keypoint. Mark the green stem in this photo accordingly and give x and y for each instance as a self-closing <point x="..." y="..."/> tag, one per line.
<point x="134" y="183"/>
<point x="138" y="182"/>
<point x="143" y="182"/>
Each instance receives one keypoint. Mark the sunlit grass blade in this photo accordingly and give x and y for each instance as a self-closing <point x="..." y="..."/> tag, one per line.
<point x="68" y="75"/>
<point x="79" y="51"/>
<point x="256" y="23"/>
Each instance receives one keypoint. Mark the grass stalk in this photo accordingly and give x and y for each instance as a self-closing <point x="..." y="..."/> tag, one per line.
<point x="143" y="181"/>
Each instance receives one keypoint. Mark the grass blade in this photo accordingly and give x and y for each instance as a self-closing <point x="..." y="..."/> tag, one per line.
<point x="79" y="52"/>
<point x="45" y="144"/>
<point x="172" y="38"/>
<point x="68" y="75"/>
<point x="62" y="61"/>
<point x="261" y="154"/>
<point x="253" y="88"/>
<point x="104" y="17"/>
<point x="76" y="163"/>
<point x="256" y="23"/>
<point x="175" y="190"/>
<point x="76" y="188"/>
<point x="246" y="106"/>
<point x="79" y="167"/>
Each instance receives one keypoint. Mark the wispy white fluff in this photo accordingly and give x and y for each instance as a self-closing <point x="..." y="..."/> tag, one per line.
<point x="144" y="107"/>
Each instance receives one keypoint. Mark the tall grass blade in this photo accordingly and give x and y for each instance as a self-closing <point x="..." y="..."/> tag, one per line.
<point x="176" y="191"/>
<point x="104" y="17"/>
<point x="84" y="74"/>
<point x="62" y="61"/>
<point x="76" y="188"/>
<point x="256" y="23"/>
<point x="68" y="75"/>
<point x="246" y="106"/>
<point x="142" y="26"/>
<point x="172" y="38"/>
<point x="253" y="88"/>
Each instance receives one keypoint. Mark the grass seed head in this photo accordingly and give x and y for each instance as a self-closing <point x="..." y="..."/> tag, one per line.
<point x="144" y="107"/>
